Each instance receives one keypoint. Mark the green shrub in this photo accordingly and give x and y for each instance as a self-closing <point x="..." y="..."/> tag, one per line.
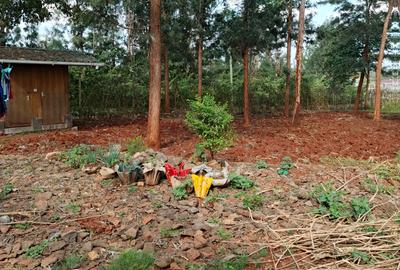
<point x="180" y="192"/>
<point x="70" y="262"/>
<point x="330" y="201"/>
<point x="80" y="155"/>
<point x="360" y="206"/>
<point x="211" y="122"/>
<point x="240" y="181"/>
<point x="370" y="186"/>
<point x="285" y="166"/>
<point x="253" y="201"/>
<point x="132" y="260"/>
<point x="136" y="145"/>
<point x="112" y="157"/>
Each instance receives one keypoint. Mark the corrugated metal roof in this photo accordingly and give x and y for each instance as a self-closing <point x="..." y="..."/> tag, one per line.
<point x="46" y="57"/>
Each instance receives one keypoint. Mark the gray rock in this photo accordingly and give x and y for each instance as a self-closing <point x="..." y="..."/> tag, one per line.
<point x="5" y="219"/>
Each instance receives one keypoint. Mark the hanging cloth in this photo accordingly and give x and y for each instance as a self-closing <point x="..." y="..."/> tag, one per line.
<point x="5" y="89"/>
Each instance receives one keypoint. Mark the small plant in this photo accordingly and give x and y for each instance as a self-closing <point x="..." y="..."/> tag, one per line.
<point x="214" y="220"/>
<point x="112" y="157"/>
<point x="5" y="190"/>
<point x="169" y="232"/>
<point x="360" y="206"/>
<point x="70" y="262"/>
<point x="79" y="156"/>
<point x="331" y="202"/>
<point x="156" y="204"/>
<point x="136" y="145"/>
<point x="261" y="164"/>
<point x="397" y="219"/>
<point x="74" y="208"/>
<point x="285" y="166"/>
<point x="23" y="226"/>
<point x="181" y="192"/>
<point x="370" y="186"/>
<point x="360" y="256"/>
<point x="224" y="234"/>
<point x="36" y="251"/>
<point x="240" y="181"/>
<point x="238" y="263"/>
<point x="199" y="153"/>
<point x="106" y="182"/>
<point x="132" y="189"/>
<point x="38" y="190"/>
<point x="55" y="217"/>
<point x="132" y="260"/>
<point x="212" y="197"/>
<point x="383" y="172"/>
<point x="211" y="122"/>
<point x="253" y="201"/>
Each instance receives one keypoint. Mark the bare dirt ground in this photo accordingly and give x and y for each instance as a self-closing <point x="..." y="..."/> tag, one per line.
<point x="68" y="212"/>
<point x="319" y="134"/>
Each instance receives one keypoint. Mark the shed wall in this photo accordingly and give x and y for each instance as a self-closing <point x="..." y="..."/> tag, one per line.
<point x="40" y="92"/>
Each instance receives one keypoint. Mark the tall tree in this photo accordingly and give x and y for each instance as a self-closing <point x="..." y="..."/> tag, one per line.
<point x="153" y="122"/>
<point x="378" y="78"/>
<point x="288" y="57"/>
<point x="299" y="51"/>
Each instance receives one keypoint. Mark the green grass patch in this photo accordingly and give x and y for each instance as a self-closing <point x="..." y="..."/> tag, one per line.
<point x="37" y="250"/>
<point x="132" y="260"/>
<point x="70" y="262"/>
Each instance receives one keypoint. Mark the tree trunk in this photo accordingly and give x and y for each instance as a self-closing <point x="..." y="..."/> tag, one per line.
<point x="299" y="49"/>
<point x="246" y="100"/>
<point x="367" y="90"/>
<point x="175" y="93"/>
<point x="230" y="69"/>
<point x="153" y="122"/>
<point x="378" y="92"/>
<point x="81" y="77"/>
<point x="130" y="32"/>
<point x="288" y="59"/>
<point x="166" y="80"/>
<point x="356" y="107"/>
<point x="200" y="67"/>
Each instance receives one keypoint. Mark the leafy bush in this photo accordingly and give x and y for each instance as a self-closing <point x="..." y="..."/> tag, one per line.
<point x="370" y="186"/>
<point x="212" y="122"/>
<point x="136" y="145"/>
<point x="331" y="202"/>
<point x="261" y="164"/>
<point x="112" y="157"/>
<point x="80" y="155"/>
<point x="360" y="206"/>
<point x="253" y="201"/>
<point x="240" y="181"/>
<point x="285" y="166"/>
<point x="132" y="260"/>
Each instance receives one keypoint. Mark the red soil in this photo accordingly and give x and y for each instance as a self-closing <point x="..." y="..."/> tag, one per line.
<point x="271" y="138"/>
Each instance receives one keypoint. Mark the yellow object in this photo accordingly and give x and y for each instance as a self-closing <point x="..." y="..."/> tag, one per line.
<point x="201" y="185"/>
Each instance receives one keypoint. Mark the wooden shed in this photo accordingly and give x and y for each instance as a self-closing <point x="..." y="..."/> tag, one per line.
<point x="40" y="88"/>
